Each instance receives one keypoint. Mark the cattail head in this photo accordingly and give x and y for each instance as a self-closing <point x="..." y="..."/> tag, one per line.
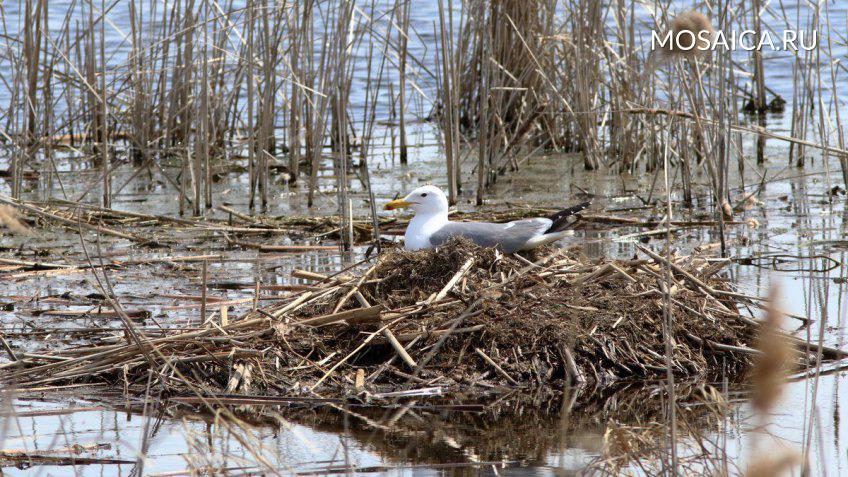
<point x="774" y="464"/>
<point x="9" y="219"/>
<point x="689" y="35"/>
<point x="751" y="201"/>
<point x="727" y="210"/>
<point x="776" y="360"/>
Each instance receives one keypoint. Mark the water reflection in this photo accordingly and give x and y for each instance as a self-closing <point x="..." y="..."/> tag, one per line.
<point x="459" y="435"/>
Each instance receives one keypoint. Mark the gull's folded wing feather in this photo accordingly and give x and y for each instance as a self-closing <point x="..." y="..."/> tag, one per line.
<point x="566" y="218"/>
<point x="510" y="236"/>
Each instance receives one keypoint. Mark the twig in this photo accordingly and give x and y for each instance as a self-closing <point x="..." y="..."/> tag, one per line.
<point x="445" y="336"/>
<point x="496" y="366"/>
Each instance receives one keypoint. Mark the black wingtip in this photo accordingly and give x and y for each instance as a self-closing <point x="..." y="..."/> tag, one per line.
<point x="567" y="217"/>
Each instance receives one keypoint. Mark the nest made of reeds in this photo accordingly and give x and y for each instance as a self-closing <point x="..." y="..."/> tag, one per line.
<point x="455" y="317"/>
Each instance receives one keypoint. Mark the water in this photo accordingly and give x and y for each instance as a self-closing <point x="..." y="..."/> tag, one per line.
<point x="322" y="438"/>
<point x="521" y="435"/>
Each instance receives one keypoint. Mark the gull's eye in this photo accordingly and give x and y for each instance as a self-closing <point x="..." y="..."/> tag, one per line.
<point x="424" y="195"/>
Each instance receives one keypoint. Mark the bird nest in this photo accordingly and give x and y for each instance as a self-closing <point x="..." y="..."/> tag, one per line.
<point x="465" y="315"/>
<point x="453" y="318"/>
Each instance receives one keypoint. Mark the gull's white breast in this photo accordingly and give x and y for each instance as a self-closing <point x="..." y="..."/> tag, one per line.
<point x="419" y="230"/>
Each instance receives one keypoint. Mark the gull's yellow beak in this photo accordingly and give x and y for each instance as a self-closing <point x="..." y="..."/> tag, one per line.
<point x="397" y="204"/>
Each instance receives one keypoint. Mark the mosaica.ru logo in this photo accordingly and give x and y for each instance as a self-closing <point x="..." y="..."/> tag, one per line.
<point x="746" y="40"/>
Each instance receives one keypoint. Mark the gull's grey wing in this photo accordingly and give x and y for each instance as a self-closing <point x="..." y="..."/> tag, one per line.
<point x="509" y="237"/>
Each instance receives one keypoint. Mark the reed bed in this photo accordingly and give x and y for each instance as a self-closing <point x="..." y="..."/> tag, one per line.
<point x="590" y="83"/>
<point x="294" y="89"/>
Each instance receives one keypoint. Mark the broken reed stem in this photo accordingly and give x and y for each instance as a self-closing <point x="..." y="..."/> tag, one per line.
<point x="403" y="37"/>
<point x="203" y="288"/>
<point x="70" y="222"/>
<point x="352" y="353"/>
<point x="495" y="365"/>
<point x="454" y="325"/>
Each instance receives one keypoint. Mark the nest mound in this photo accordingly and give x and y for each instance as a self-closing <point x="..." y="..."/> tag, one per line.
<point x="408" y="277"/>
<point x="508" y="321"/>
<point x="455" y="317"/>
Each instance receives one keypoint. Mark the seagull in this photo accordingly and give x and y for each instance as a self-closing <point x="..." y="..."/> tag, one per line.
<point x="430" y="226"/>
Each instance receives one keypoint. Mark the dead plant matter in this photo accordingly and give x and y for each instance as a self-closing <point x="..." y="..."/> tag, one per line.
<point x="455" y="317"/>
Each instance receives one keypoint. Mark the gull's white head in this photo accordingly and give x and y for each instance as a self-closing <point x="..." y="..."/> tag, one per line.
<point x="426" y="200"/>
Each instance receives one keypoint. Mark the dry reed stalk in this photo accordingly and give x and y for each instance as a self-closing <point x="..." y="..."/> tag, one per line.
<point x="250" y="12"/>
<point x="403" y="39"/>
<point x="103" y="143"/>
<point x="340" y="99"/>
<point x="204" y="127"/>
<point x="296" y="38"/>
<point x="759" y="103"/>
<point x="446" y="59"/>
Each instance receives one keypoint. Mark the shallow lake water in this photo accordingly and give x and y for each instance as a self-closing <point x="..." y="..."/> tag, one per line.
<point x="798" y="224"/>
